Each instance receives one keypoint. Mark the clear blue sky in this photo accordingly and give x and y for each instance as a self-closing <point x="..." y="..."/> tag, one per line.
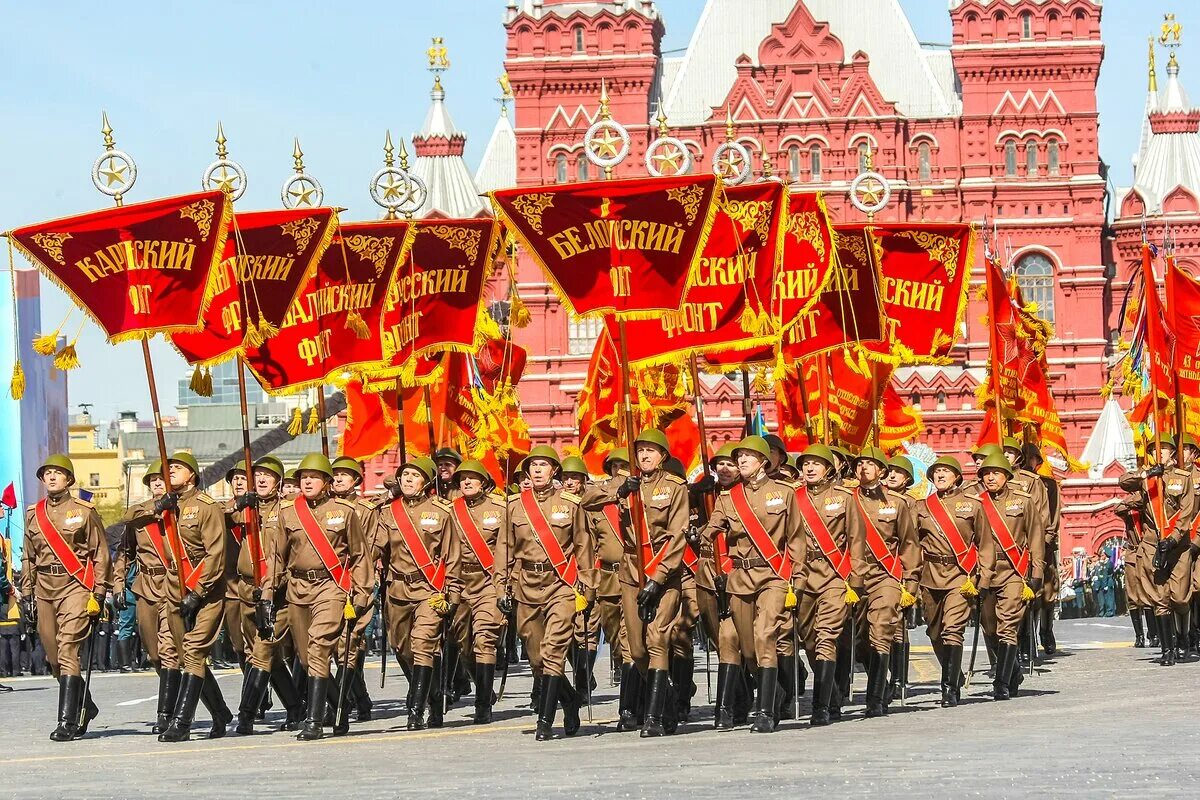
<point x="336" y="75"/>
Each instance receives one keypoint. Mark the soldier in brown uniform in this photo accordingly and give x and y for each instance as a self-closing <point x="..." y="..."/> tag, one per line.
<point x="417" y="543"/>
<point x="320" y="554"/>
<point x="891" y="569"/>
<point x="546" y="572"/>
<point x="899" y="478"/>
<point x="144" y="542"/>
<point x="196" y="592"/>
<point x="1031" y="483"/>
<point x="1129" y="511"/>
<point x="830" y="582"/>
<point x="949" y="522"/>
<point x="235" y="530"/>
<point x="761" y="521"/>
<point x="1011" y="556"/>
<point x="66" y="575"/>
<point x="478" y="519"/>
<point x="1031" y="461"/>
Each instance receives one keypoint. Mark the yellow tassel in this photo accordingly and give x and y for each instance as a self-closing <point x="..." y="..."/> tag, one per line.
<point x="907" y="598"/>
<point x="314" y="420"/>
<point x="749" y="320"/>
<point x="1026" y="592"/>
<point x="196" y="384"/>
<point x="348" y="610"/>
<point x="761" y="384"/>
<point x="661" y="389"/>
<point x="296" y="426"/>
<point x="67" y="358"/>
<point x="355" y="323"/>
<point x="16" y="387"/>
<point x="265" y="329"/>
<point x="790" y="600"/>
<point x="680" y="389"/>
<point x="46" y="344"/>
<point x="851" y="597"/>
<point x="252" y="337"/>
<point x="968" y="588"/>
<point x="208" y="389"/>
<point x="93" y="606"/>
<point x="864" y="368"/>
<point x="519" y="316"/>
<point x="421" y="414"/>
<point x="766" y="323"/>
<point x="580" y="603"/>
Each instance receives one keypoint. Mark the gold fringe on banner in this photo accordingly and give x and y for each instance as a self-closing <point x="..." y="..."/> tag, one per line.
<point x="314" y="420"/>
<point x="296" y="426"/>
<point x="66" y="359"/>
<point x="16" y="387"/>
<point x="421" y="412"/>
<point x="355" y="323"/>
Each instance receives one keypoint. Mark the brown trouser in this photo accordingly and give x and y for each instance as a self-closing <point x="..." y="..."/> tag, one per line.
<point x="883" y="614"/>
<point x="552" y="626"/>
<point x="1171" y="588"/>
<point x="63" y="626"/>
<point x="1003" y="610"/>
<point x="761" y="620"/>
<point x="689" y="615"/>
<point x="1135" y="598"/>
<point x="650" y="644"/>
<point x="155" y="630"/>
<point x="946" y="614"/>
<point x="822" y="616"/>
<point x="266" y="652"/>
<point x="485" y="625"/>
<point x="415" y="630"/>
<point x="608" y="612"/>
<point x="318" y="632"/>
<point x="234" y="614"/>
<point x="195" y="644"/>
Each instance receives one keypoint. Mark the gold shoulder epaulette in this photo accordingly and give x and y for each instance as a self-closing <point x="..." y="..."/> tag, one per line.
<point x="343" y="501"/>
<point x="793" y="485"/>
<point x="444" y="505"/>
<point x="841" y="487"/>
<point x="574" y="498"/>
<point x="675" y="479"/>
<point x="1019" y="492"/>
<point x="850" y="483"/>
<point x="85" y="503"/>
<point x="203" y="498"/>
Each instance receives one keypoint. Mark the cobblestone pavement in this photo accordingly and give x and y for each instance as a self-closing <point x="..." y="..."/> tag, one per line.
<point x="1089" y="724"/>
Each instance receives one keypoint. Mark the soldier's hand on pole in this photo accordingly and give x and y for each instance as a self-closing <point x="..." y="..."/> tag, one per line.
<point x="1036" y="584"/>
<point x="506" y="605"/>
<point x="647" y="600"/>
<point x="1156" y="471"/>
<point x="168" y="502"/>
<point x="265" y="611"/>
<point x="630" y="486"/>
<point x="1160" y="554"/>
<point x="247" y="500"/>
<point x="120" y="601"/>
<point x="189" y="606"/>
<point x="693" y="537"/>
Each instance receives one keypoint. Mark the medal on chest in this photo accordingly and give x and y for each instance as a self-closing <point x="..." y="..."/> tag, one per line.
<point x="774" y="499"/>
<point x="560" y="513"/>
<point x="888" y="513"/>
<point x="661" y="494"/>
<point x="430" y="520"/>
<point x="335" y="519"/>
<point x="73" y="519"/>
<point x="191" y="512"/>
<point x="491" y="520"/>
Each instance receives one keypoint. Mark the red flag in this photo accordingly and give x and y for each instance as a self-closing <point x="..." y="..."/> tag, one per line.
<point x="370" y="422"/>
<point x="899" y="421"/>
<point x="1183" y="311"/>
<point x="9" y="498"/>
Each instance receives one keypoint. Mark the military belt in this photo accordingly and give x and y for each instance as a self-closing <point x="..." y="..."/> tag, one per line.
<point x="410" y="577"/>
<point x="536" y="566"/>
<point x="472" y="568"/>
<point x="153" y="571"/>
<point x="706" y="552"/>
<point x="937" y="559"/>
<point x="314" y="575"/>
<point x="749" y="563"/>
<point x="610" y="566"/>
<point x="53" y="569"/>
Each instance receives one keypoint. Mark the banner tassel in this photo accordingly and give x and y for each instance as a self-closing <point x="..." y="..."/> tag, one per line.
<point x="252" y="337"/>
<point x="265" y="329"/>
<point x="16" y="386"/>
<point x="46" y="344"/>
<point x="519" y="315"/>
<point x="421" y="413"/>
<point x="197" y="382"/>
<point x="749" y="320"/>
<point x="355" y="323"/>
<point x="296" y="426"/>
<point x="314" y="420"/>
<point x="66" y="359"/>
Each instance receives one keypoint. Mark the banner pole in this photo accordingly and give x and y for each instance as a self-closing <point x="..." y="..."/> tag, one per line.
<point x="635" y="499"/>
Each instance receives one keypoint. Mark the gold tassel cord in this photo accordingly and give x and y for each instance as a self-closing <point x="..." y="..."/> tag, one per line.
<point x="421" y="413"/>
<point x="296" y="426"/>
<point x="197" y="382"/>
<point x="519" y="315"/>
<point x="208" y="386"/>
<point x="314" y="420"/>
<point x="66" y="359"/>
<point x="265" y="329"/>
<point x="355" y="323"/>
<point x="16" y="387"/>
<point x="46" y="344"/>
<point x="252" y="337"/>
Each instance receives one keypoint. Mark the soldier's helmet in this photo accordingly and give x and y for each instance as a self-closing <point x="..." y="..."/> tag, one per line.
<point x="315" y="462"/>
<point x="59" y="461"/>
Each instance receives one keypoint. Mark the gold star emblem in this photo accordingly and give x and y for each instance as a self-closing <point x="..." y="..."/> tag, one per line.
<point x="115" y="174"/>
<point x="607" y="145"/>
<point x="731" y="163"/>
<point x="668" y="156"/>
<point x="227" y="180"/>
<point x="871" y="190"/>
<point x="393" y="189"/>
<point x="302" y="193"/>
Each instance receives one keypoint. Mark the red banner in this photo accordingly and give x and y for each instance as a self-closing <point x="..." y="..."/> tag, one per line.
<point x="333" y="327"/>
<point x="138" y="269"/>
<point x="726" y="306"/>
<point x="1183" y="311"/>
<point x="809" y="256"/>
<point x="899" y="421"/>
<point x="268" y="259"/>
<point x="370" y="422"/>
<point x="625" y="247"/>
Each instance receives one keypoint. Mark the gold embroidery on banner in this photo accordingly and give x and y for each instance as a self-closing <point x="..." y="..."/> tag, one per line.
<point x="532" y="206"/>
<point x="942" y="249"/>
<point x="375" y="249"/>
<point x="689" y="197"/>
<point x="301" y="230"/>
<point x="752" y="215"/>
<point x="806" y="227"/>
<point x="52" y="243"/>
<point x="465" y="239"/>
<point x="853" y="244"/>
<point x="200" y="212"/>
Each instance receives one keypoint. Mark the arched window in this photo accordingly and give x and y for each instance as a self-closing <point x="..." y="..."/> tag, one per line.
<point x="1035" y="276"/>
<point x="924" y="157"/>
<point x="560" y="168"/>
<point x="583" y="169"/>
<point x="1052" y="157"/>
<point x="578" y="38"/>
<point x="863" y="150"/>
<point x="1031" y="158"/>
<point x="814" y="163"/>
<point x="794" y="162"/>
<point x="1010" y="158"/>
<point x="1026" y="25"/>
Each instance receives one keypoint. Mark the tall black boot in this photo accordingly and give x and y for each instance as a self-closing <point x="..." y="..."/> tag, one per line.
<point x="877" y="674"/>
<point x="70" y="696"/>
<point x="535" y="694"/>
<point x="1139" y="633"/>
<point x="1166" y="632"/>
<point x="437" y="695"/>
<point x="824" y="688"/>
<point x="125" y="655"/>
<point x="1152" y="635"/>
<point x="1046" y="630"/>
<point x="787" y="669"/>
<point x="768" y="688"/>
<point x="214" y="701"/>
<point x="660" y="685"/>
<point x="683" y="670"/>
<point x="895" y="671"/>
<point x="1183" y="627"/>
<point x="285" y="688"/>
<point x="951" y="676"/>
<point x="254" y="686"/>
<point x="570" y="703"/>
<point x="421" y="680"/>
<point x="90" y="711"/>
<point x="485" y="675"/>
<point x="1024" y="637"/>
<point x="579" y="669"/>
<point x="168" y="694"/>
<point x="630" y="698"/>
<point x="549" y="707"/>
<point x="180" y="727"/>
<point x="727" y="678"/>
<point x="1006" y="663"/>
<point x="743" y="696"/>
<point x="358" y="686"/>
<point x="318" y="697"/>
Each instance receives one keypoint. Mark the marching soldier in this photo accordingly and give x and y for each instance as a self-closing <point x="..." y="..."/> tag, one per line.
<point x="291" y="487"/>
<point x="682" y="659"/>
<point x="899" y="479"/>
<point x="478" y="520"/>
<point x="949" y="522"/>
<point x="196" y="590"/>
<point x="421" y="551"/>
<point x="235" y="532"/>
<point x="144" y="542"/>
<point x="607" y="615"/>
<point x="447" y="460"/>
<point x="546" y="578"/>
<point x="1031" y="483"/>
<point x="1141" y="613"/>
<point x="347" y="479"/>
<point x="762" y="527"/>
<point x="320" y="555"/>
<point x="890" y="571"/>
<point x="1011" y="554"/>
<point x="1031" y="459"/>
<point x="64" y="581"/>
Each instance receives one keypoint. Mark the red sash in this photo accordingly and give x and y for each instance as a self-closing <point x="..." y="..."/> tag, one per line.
<point x="838" y="559"/>
<point x="721" y="554"/>
<point x="1017" y="557"/>
<point x="475" y="538"/>
<point x="435" y="573"/>
<point x="887" y="559"/>
<point x="650" y="560"/>
<point x="190" y="575"/>
<point x="316" y="537"/>
<point x="565" y="566"/>
<point x="155" y="534"/>
<point x="86" y="575"/>
<point x="690" y="558"/>
<point x="780" y="562"/>
<point x="238" y="530"/>
<point x="967" y="555"/>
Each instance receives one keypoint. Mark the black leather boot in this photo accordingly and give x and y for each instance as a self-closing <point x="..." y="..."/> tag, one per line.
<point x="70" y="696"/>
<point x="485" y="676"/>
<point x="787" y="669"/>
<point x="768" y="700"/>
<point x="168" y="695"/>
<point x="437" y="696"/>
<point x="683" y="670"/>
<point x="422" y="677"/>
<point x="952" y="676"/>
<point x="341" y="693"/>
<point x="254" y="686"/>
<point x="1006" y="663"/>
<point x="1166" y="632"/>
<point x="90" y="711"/>
<point x="824" y="687"/>
<point x="877" y="674"/>
<point x="660" y="685"/>
<point x="358" y="686"/>
<point x="125" y="655"/>
<point x="179" y="729"/>
<point x="1183" y="625"/>
<point x="743" y="696"/>
<point x="570" y="703"/>
<point x="1152" y="635"/>
<point x="1139" y="632"/>
<point x="896" y="672"/>
<point x="549" y="707"/>
<point x="727" y="678"/>
<point x="535" y="694"/>
<point x="214" y="701"/>
<point x="630" y="698"/>
<point x="1024" y="636"/>
<point x="318" y="698"/>
<point x="1046" y="631"/>
<point x="285" y="688"/>
<point x="579" y="670"/>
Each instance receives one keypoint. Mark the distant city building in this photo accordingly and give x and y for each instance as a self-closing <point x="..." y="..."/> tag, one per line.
<point x="98" y="468"/>
<point x="225" y="388"/>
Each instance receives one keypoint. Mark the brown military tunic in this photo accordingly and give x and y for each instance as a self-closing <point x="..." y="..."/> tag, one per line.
<point x="62" y="618"/>
<point x="1129" y="510"/>
<point x="315" y="601"/>
<point x="1003" y="606"/>
<point x="1169" y="589"/>
<point x="414" y="627"/>
<point x="891" y="516"/>
<point x="609" y="550"/>
<point x="946" y="608"/>
<point x="264" y="652"/>
<point x="822" y="609"/>
<point x="478" y="588"/>
<point x="756" y="591"/>
<point x="153" y="608"/>
<point x="235" y="534"/>
<point x="721" y="631"/>
<point x="367" y="512"/>
<point x="545" y="603"/>
<point x="201" y="525"/>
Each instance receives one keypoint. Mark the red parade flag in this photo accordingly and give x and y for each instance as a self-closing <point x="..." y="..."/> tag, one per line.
<point x="9" y="498"/>
<point x="1183" y="311"/>
<point x="139" y="269"/>
<point x="370" y="422"/>
<point x="268" y="259"/>
<point x="808" y="259"/>
<point x="1159" y="344"/>
<point x="899" y="421"/>
<point x="621" y="247"/>
<point x="334" y="324"/>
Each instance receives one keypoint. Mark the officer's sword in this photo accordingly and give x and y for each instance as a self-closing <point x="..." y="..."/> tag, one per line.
<point x="587" y="677"/>
<point x="974" y="643"/>
<point x="348" y="619"/>
<point x="796" y="665"/>
<point x="93" y="635"/>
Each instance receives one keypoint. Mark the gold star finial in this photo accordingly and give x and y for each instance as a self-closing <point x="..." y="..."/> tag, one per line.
<point x="106" y="129"/>
<point x="297" y="156"/>
<point x="222" y="151"/>
<point x="403" y="156"/>
<point x="768" y="167"/>
<point x="1153" y="70"/>
<point x="388" y="151"/>
<point x="663" y="130"/>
